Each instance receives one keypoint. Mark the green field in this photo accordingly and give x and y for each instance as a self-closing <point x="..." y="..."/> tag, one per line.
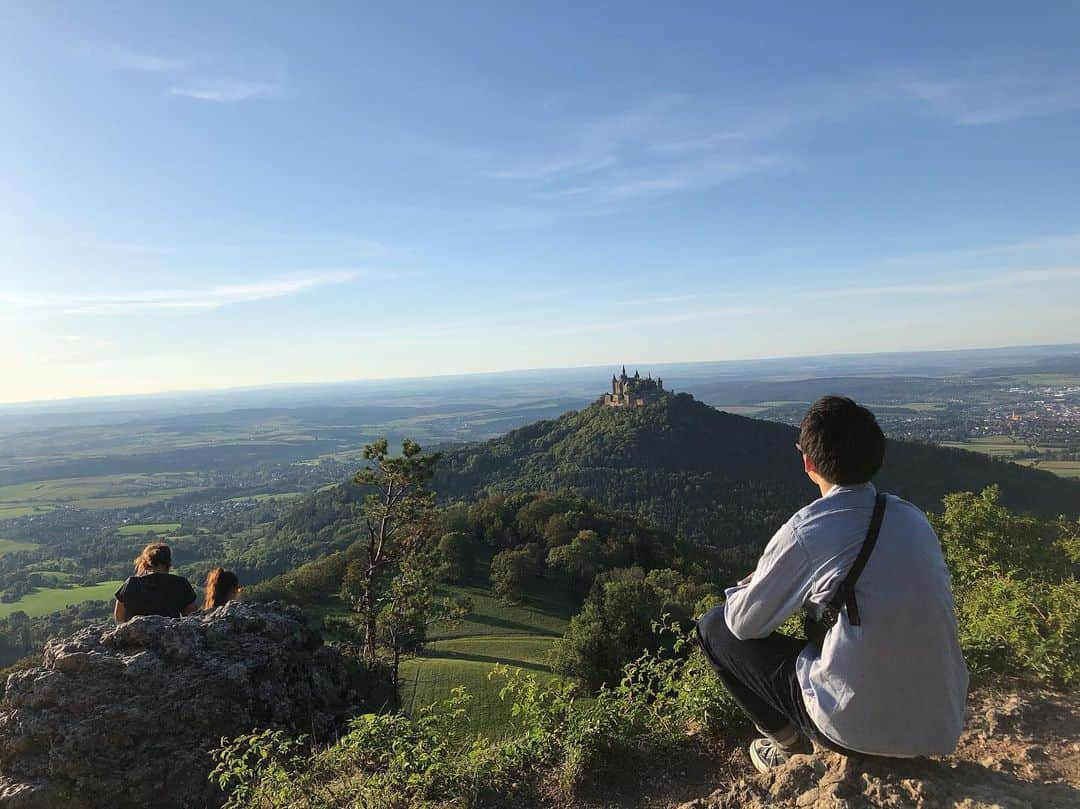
<point x="103" y="491"/>
<point x="923" y="407"/>
<point x="1006" y="447"/>
<point x="9" y="511"/>
<point x="44" y="601"/>
<point x="9" y="545"/>
<point x="464" y="654"/>
<point x="741" y="410"/>
<point x="1065" y="469"/>
<point x="138" y="529"/>
<point x="1040" y="380"/>
<point x="999" y="446"/>
<point x="262" y="498"/>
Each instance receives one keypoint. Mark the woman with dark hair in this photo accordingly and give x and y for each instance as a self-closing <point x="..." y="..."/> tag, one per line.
<point x="153" y="590"/>
<point x="222" y="586"/>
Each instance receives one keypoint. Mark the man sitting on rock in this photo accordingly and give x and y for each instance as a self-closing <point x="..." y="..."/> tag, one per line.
<point x="882" y="673"/>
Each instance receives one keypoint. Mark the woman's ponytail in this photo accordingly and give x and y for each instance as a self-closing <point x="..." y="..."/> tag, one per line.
<point x="156" y="554"/>
<point x="219" y="585"/>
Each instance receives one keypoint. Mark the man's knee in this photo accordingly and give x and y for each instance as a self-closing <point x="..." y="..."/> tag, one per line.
<point x="716" y="639"/>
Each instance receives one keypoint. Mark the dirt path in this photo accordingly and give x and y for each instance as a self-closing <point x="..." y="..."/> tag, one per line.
<point x="1020" y="750"/>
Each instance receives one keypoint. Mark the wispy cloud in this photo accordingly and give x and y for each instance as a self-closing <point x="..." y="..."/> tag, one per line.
<point x="658" y="300"/>
<point x="673" y="143"/>
<point x="120" y="57"/>
<point x="221" y="90"/>
<point x="668" y="180"/>
<point x="195" y="79"/>
<point x="1065" y="244"/>
<point x="662" y="145"/>
<point x="967" y="284"/>
<point x="979" y="98"/>
<point x="556" y="167"/>
<point x="191" y="299"/>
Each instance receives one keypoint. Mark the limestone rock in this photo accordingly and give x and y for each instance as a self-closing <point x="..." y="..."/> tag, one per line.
<point x="125" y="716"/>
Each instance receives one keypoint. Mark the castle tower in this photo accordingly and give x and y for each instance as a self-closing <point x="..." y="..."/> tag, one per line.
<point x="633" y="391"/>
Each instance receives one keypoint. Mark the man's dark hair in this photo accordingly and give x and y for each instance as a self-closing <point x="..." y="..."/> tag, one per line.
<point x="843" y="440"/>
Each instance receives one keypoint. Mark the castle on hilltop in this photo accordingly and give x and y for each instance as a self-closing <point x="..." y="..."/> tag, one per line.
<point x="633" y="391"/>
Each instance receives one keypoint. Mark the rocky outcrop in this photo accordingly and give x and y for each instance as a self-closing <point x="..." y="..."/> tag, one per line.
<point x="835" y="782"/>
<point x="1019" y="752"/>
<point x="125" y="716"/>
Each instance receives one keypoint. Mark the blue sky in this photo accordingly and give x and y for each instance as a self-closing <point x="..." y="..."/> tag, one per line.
<point x="197" y="196"/>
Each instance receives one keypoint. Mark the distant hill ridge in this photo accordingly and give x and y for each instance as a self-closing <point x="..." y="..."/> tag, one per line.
<point x="714" y="476"/>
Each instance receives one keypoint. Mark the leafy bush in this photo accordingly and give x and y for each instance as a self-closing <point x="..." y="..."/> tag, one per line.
<point x="616" y="623"/>
<point x="1021" y="627"/>
<point x="1017" y="596"/>
<point x="392" y="760"/>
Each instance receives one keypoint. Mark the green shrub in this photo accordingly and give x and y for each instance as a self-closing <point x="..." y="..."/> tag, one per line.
<point x="1017" y="596"/>
<point x="1022" y="627"/>
<point x="391" y="760"/>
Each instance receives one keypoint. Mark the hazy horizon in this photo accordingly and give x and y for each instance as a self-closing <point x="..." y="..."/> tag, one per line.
<point x="837" y="359"/>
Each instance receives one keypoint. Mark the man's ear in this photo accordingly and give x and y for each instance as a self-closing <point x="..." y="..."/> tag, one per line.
<point x="808" y="465"/>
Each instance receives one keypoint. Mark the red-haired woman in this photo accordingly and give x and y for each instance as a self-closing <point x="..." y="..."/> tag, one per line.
<point x="222" y="586"/>
<point x="153" y="590"/>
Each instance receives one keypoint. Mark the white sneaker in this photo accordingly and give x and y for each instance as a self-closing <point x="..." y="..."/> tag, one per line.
<point x="766" y="755"/>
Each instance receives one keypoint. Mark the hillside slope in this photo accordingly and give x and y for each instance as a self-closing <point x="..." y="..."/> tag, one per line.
<point x="711" y="475"/>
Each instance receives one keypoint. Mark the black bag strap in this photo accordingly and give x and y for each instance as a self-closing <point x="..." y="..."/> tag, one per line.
<point x="846" y="594"/>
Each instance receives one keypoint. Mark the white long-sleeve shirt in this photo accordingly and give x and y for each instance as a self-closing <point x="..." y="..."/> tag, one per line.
<point x="897" y="684"/>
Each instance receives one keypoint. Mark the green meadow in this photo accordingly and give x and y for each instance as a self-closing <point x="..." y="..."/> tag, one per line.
<point x="1065" y="469"/>
<point x="999" y="446"/>
<point x="45" y="600"/>
<point x="10" y="545"/>
<point x="1006" y="447"/>
<point x="102" y="491"/>
<point x="262" y="498"/>
<point x="464" y="653"/>
<point x="11" y="511"/>
<point x="138" y="529"/>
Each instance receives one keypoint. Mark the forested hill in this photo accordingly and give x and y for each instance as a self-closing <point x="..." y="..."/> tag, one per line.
<point x="713" y="476"/>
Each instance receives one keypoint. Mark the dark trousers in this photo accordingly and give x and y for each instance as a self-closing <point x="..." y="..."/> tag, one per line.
<point x="760" y="675"/>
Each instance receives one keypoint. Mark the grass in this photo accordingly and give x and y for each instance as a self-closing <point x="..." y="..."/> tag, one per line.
<point x="741" y="410"/>
<point x="1006" y="447"/>
<point x="1040" y="380"/>
<point x="45" y="600"/>
<point x="463" y="654"/>
<point x="102" y="491"/>
<point x="261" y="498"/>
<point x="998" y="446"/>
<point x="923" y="407"/>
<point x="11" y="545"/>
<point x="138" y="529"/>
<point x="491" y="616"/>
<point x="1065" y="469"/>
<point x="9" y="511"/>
